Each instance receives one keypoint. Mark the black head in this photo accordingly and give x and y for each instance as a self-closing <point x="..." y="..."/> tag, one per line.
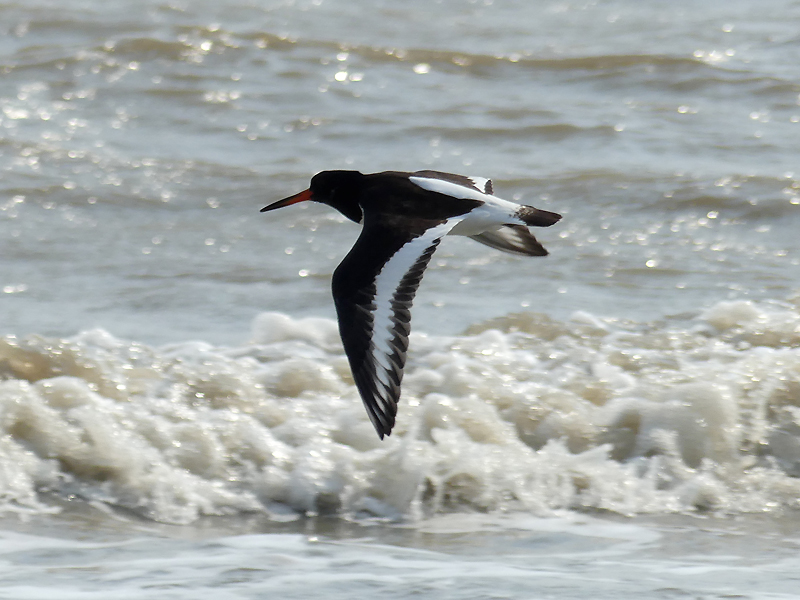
<point x="338" y="189"/>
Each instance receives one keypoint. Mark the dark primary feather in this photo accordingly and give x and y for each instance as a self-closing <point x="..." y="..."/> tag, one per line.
<point x="515" y="239"/>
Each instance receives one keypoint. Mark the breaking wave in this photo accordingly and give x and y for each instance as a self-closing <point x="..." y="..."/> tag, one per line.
<point x="521" y="413"/>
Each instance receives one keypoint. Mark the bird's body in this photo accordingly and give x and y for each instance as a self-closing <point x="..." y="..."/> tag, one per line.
<point x="405" y="216"/>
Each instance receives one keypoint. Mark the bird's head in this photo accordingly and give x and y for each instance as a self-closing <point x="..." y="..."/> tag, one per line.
<point x="334" y="188"/>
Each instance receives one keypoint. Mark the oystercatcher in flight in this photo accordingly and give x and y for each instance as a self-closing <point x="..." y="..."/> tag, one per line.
<point x="405" y="216"/>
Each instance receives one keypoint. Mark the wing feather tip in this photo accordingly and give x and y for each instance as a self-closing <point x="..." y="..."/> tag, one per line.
<point x="537" y="217"/>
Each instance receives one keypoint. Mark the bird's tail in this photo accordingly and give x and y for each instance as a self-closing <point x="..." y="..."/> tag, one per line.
<point x="539" y="218"/>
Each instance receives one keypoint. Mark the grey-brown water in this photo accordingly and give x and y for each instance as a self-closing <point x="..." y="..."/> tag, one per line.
<point x="649" y="365"/>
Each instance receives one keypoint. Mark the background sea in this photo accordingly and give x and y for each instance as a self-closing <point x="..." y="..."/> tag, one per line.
<point x="619" y="419"/>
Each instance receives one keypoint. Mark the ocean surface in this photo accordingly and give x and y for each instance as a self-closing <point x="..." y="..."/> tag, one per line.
<point x="618" y="419"/>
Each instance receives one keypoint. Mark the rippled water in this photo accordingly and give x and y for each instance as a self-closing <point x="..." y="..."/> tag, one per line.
<point x="170" y="351"/>
<point x="138" y="149"/>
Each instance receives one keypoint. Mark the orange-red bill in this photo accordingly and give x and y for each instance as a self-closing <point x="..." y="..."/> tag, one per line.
<point x="301" y="197"/>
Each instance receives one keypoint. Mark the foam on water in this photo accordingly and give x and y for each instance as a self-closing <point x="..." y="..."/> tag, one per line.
<point x="519" y="413"/>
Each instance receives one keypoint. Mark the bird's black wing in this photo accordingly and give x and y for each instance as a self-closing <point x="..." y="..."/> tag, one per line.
<point x="373" y="290"/>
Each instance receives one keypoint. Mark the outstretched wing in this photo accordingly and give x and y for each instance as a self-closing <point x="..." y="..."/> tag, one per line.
<point x="373" y="290"/>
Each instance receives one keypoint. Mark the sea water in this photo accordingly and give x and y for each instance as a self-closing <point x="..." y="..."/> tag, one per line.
<point x="619" y="418"/>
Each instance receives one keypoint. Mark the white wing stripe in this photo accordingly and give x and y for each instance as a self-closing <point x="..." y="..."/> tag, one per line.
<point x="383" y="360"/>
<point x="454" y="190"/>
<point x="480" y="183"/>
<point x="387" y="282"/>
<point x="383" y="377"/>
<point x="448" y="188"/>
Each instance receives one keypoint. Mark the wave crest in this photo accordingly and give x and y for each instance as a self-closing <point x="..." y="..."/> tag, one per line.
<point x="519" y="413"/>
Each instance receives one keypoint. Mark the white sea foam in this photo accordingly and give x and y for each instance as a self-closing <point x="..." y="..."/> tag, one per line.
<point x="520" y="413"/>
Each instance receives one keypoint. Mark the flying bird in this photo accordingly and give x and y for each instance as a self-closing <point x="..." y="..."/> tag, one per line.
<point x="405" y="216"/>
